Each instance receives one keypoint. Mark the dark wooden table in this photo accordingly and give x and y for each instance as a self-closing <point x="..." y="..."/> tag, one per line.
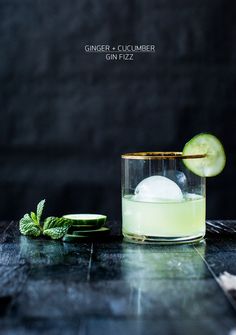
<point x="50" y="287"/>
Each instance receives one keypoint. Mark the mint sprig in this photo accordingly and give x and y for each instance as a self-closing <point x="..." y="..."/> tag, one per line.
<point x="54" y="227"/>
<point x="28" y="226"/>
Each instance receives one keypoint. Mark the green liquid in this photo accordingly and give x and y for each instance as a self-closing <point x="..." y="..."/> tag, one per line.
<point x="184" y="218"/>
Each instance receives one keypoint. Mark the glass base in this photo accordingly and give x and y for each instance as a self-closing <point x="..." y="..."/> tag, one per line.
<point x="144" y="239"/>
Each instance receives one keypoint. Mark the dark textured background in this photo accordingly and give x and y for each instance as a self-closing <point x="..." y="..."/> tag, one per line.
<point x="65" y="117"/>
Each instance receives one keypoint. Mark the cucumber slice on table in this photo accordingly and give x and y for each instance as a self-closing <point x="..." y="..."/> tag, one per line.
<point x="91" y="220"/>
<point x="92" y="233"/>
<point x="74" y="239"/>
<point x="82" y="227"/>
<point x="214" y="161"/>
<point x="89" y="235"/>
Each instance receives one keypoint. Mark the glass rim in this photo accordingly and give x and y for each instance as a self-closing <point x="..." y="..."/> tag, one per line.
<point x="160" y="155"/>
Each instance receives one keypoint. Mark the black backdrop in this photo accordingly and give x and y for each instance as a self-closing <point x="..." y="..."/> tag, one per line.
<point x="66" y="116"/>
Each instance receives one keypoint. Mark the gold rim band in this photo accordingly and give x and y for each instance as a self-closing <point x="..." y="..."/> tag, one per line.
<point x="160" y="155"/>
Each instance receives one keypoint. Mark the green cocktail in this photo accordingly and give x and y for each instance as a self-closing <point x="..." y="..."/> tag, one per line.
<point x="163" y="193"/>
<point x="164" y="219"/>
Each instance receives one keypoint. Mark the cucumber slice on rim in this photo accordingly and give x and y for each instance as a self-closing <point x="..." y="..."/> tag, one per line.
<point x="96" y="220"/>
<point x="92" y="233"/>
<point x="214" y="161"/>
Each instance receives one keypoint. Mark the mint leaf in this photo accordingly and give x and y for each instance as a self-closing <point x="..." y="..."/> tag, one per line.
<point x="28" y="226"/>
<point x="40" y="208"/>
<point x="34" y="217"/>
<point x="56" y="233"/>
<point x="53" y="222"/>
<point x="55" y="227"/>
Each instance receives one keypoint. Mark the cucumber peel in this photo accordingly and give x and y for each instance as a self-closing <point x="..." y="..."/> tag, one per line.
<point x="79" y="236"/>
<point x="214" y="158"/>
<point x="73" y="238"/>
<point x="95" y="220"/>
<point x="82" y="227"/>
<point x="92" y="233"/>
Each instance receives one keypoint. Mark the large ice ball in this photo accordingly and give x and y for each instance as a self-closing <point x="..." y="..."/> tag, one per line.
<point x="179" y="178"/>
<point x="156" y="188"/>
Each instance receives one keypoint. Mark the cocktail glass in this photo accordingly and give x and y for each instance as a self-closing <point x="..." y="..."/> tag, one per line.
<point x="162" y="200"/>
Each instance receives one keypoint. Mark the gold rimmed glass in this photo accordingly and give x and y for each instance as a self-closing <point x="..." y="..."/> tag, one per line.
<point x="160" y="155"/>
<point x="162" y="200"/>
